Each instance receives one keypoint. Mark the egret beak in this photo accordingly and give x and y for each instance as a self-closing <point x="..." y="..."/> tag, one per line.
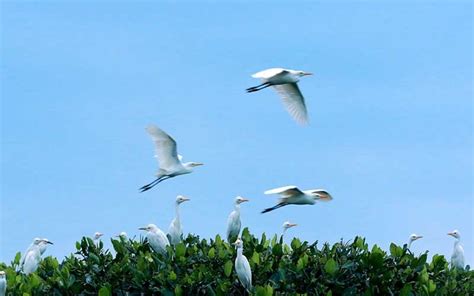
<point x="48" y="242"/>
<point x="186" y="198"/>
<point x="307" y="74"/>
<point x="420" y="236"/>
<point x="198" y="163"/>
<point x="142" y="228"/>
<point x="292" y="225"/>
<point x="244" y="200"/>
<point x="451" y="234"/>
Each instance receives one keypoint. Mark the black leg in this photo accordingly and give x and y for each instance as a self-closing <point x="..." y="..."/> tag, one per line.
<point x="152" y="184"/>
<point x="258" y="87"/>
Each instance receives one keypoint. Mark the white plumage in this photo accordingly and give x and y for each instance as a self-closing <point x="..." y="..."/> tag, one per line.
<point x="292" y="195"/>
<point x="287" y="225"/>
<point x="166" y="152"/>
<point x="233" y="221"/>
<point x="33" y="254"/>
<point x="242" y="267"/>
<point x="285" y="83"/>
<point x="457" y="258"/>
<point x="156" y="238"/>
<point x="3" y="283"/>
<point x="413" y="238"/>
<point x="97" y="235"/>
<point x="175" y="230"/>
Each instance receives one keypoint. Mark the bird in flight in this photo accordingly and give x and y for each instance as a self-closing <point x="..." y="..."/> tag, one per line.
<point x="285" y="83"/>
<point x="292" y="195"/>
<point x="167" y="154"/>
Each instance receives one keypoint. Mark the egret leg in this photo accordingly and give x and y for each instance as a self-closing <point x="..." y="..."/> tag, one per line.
<point x="258" y="87"/>
<point x="274" y="208"/>
<point x="154" y="183"/>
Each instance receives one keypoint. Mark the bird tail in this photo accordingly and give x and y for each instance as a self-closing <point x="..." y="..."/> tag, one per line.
<point x="274" y="208"/>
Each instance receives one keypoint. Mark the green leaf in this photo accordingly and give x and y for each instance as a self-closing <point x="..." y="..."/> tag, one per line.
<point x="228" y="268"/>
<point x="331" y="266"/>
<point x="105" y="291"/>
<point x="212" y="253"/>
<point x="395" y="250"/>
<point x="180" y="250"/>
<point x="406" y="290"/>
<point x="172" y="276"/>
<point x="256" y="258"/>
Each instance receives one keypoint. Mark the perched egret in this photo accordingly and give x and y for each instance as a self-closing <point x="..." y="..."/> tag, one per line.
<point x="168" y="158"/>
<point x="413" y="238"/>
<point x="285" y="83"/>
<point x="457" y="259"/>
<point x="291" y="195"/>
<point x="33" y="255"/>
<point x="156" y="238"/>
<point x="242" y="266"/>
<point x="233" y="222"/>
<point x="3" y="283"/>
<point x="175" y="231"/>
<point x="122" y="235"/>
<point x="287" y="225"/>
<point x="97" y="235"/>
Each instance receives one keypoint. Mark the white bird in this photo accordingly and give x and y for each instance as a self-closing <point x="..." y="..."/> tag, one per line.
<point x="170" y="162"/>
<point x="457" y="259"/>
<point x="233" y="222"/>
<point x="122" y="235"/>
<point x="156" y="238"/>
<point x="285" y="83"/>
<point x="33" y="255"/>
<point x="43" y="246"/>
<point x="287" y="225"/>
<point x="3" y="283"/>
<point x="97" y="235"/>
<point x="291" y="195"/>
<point x="413" y="238"/>
<point x="175" y="230"/>
<point x="242" y="266"/>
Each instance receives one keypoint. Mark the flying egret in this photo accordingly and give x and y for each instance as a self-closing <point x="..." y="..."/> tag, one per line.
<point x="175" y="231"/>
<point x="457" y="259"/>
<point x="3" y="283"/>
<point x="156" y="238"/>
<point x="97" y="235"/>
<point x="233" y="222"/>
<point x="33" y="255"/>
<point x="291" y="195"/>
<point x="285" y="83"/>
<point x="242" y="266"/>
<point x="413" y="238"/>
<point x="168" y="158"/>
<point x="287" y="225"/>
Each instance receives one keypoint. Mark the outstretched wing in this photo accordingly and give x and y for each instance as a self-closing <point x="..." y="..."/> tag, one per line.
<point x="269" y="73"/>
<point x="285" y="191"/>
<point x="293" y="101"/>
<point x="165" y="147"/>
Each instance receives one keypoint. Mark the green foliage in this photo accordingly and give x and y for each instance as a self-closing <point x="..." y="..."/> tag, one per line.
<point x="201" y="267"/>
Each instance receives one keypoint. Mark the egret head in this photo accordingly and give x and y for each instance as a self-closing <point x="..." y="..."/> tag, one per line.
<point x="36" y="241"/>
<point x="149" y="227"/>
<point x="238" y="243"/>
<point x="2" y="274"/>
<point x="414" y="237"/>
<point x="97" y="235"/>
<point x="240" y="199"/>
<point x="46" y="241"/>
<point x="288" y="225"/>
<point x="122" y="234"/>
<point x="455" y="234"/>
<point x="181" y="198"/>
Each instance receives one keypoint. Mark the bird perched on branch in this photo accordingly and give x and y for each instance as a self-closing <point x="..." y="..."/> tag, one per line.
<point x="413" y="238"/>
<point x="170" y="162"/>
<point x="233" y="222"/>
<point x="156" y="238"/>
<point x="285" y="83"/>
<point x="457" y="258"/>
<point x="175" y="230"/>
<point x="242" y="266"/>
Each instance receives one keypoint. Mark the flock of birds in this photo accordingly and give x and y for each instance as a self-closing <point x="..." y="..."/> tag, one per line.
<point x="284" y="81"/>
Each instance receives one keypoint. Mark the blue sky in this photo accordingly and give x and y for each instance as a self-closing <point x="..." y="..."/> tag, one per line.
<point x="390" y="107"/>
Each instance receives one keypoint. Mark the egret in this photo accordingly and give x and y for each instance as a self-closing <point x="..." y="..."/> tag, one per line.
<point x="242" y="266"/>
<point x="285" y="83"/>
<point x="3" y="283"/>
<point x="233" y="222"/>
<point x="33" y="255"/>
<point x="168" y="158"/>
<point x="156" y="238"/>
<point x="97" y="235"/>
<point x="413" y="238"/>
<point x="291" y="195"/>
<point x="122" y="235"/>
<point x="287" y="225"/>
<point x="175" y="231"/>
<point x="457" y="259"/>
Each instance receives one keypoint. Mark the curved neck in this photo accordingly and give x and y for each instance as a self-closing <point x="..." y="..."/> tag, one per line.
<point x="177" y="211"/>
<point x="240" y="251"/>
<point x="409" y="243"/>
<point x="457" y="241"/>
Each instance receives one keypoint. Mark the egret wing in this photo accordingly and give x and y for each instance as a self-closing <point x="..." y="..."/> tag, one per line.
<point x="294" y="101"/>
<point x="285" y="191"/>
<point x="269" y="73"/>
<point x="233" y="226"/>
<point x="165" y="147"/>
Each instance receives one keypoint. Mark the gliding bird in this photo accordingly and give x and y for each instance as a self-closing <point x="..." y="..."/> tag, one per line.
<point x="33" y="255"/>
<point x="285" y="83"/>
<point x="291" y="195"/>
<point x="413" y="238"/>
<point x="233" y="222"/>
<point x="175" y="231"/>
<point x="168" y="158"/>
<point x="457" y="259"/>
<point x="156" y="238"/>
<point x="242" y="266"/>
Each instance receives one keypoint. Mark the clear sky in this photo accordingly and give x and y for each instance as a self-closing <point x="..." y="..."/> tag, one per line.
<point x="390" y="105"/>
